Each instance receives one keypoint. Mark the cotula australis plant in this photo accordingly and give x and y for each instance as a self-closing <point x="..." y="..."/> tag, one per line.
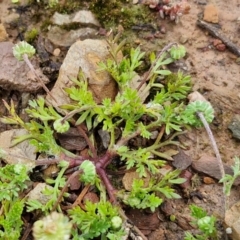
<point x="164" y="110"/>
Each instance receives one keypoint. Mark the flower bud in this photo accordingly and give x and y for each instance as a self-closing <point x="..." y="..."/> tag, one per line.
<point x="61" y="126"/>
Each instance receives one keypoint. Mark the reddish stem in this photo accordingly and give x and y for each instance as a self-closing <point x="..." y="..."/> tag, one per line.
<point x="110" y="189"/>
<point x="101" y="165"/>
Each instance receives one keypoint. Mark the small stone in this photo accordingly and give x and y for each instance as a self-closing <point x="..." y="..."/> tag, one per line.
<point x="234" y="126"/>
<point x="22" y="153"/>
<point x="181" y="160"/>
<point x="105" y="137"/>
<point x="82" y="17"/>
<point x="209" y="165"/>
<point x="36" y="193"/>
<point x="211" y="14"/>
<point x="56" y="52"/>
<point x="85" y="17"/>
<point x="3" y="33"/>
<point x="162" y="29"/>
<point x="144" y="221"/>
<point x="64" y="38"/>
<point x="92" y="197"/>
<point x="129" y="177"/>
<point x="208" y="180"/>
<point x="238" y="61"/>
<point x="60" y="19"/>
<point x="188" y="177"/>
<point x="216" y="42"/>
<point x="172" y="226"/>
<point x="183" y="39"/>
<point x="167" y="208"/>
<point x="221" y="47"/>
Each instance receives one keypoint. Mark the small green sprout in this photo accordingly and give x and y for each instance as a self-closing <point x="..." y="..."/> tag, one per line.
<point x="61" y="125"/>
<point x="31" y="35"/>
<point x="54" y="192"/>
<point x="206" y="225"/>
<point x="116" y="222"/>
<point x="177" y="52"/>
<point x="229" y="179"/>
<point x="99" y="219"/>
<point x="89" y="172"/>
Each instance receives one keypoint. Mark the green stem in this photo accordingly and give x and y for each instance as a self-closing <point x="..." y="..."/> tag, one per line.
<point x="75" y="111"/>
<point x="149" y="72"/>
<point x="26" y="59"/>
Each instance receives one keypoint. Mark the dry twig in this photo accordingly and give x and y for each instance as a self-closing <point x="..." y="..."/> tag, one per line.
<point x="215" y="33"/>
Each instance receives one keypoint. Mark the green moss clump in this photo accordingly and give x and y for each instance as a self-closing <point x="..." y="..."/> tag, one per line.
<point x="31" y="35"/>
<point x="45" y="24"/>
<point x="69" y="6"/>
<point x="111" y="13"/>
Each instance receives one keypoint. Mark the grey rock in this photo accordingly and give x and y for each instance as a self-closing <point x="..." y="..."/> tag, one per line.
<point x="181" y="160"/>
<point x="85" y="55"/>
<point x="64" y="38"/>
<point x="23" y="152"/>
<point x="105" y="137"/>
<point x="83" y="17"/>
<point x="234" y="126"/>
<point x="16" y="75"/>
<point x="60" y="19"/>
<point x="36" y="193"/>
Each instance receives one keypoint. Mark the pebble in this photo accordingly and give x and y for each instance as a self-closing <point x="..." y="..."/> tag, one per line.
<point x="56" y="52"/>
<point x="183" y="39"/>
<point x="82" y="17"/>
<point x="234" y="126"/>
<point x="211" y="14"/>
<point x="181" y="160"/>
<point x="3" y="33"/>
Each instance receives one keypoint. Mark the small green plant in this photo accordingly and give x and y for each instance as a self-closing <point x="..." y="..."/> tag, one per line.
<point x="13" y="180"/>
<point x="152" y="196"/>
<point x="229" y="179"/>
<point x="51" y="193"/>
<point x="31" y="35"/>
<point x="163" y="109"/>
<point x="22" y="52"/>
<point x="206" y="225"/>
<point x="98" y="219"/>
